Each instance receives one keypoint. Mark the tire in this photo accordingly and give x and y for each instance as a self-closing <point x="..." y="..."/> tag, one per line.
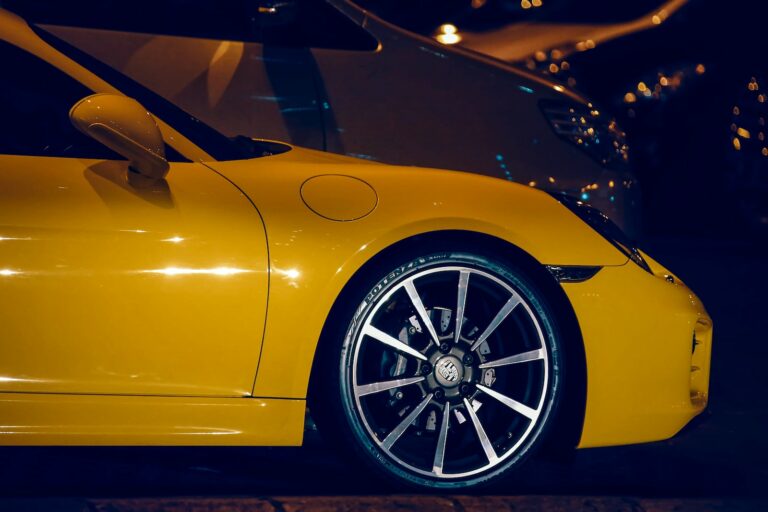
<point x="397" y="388"/>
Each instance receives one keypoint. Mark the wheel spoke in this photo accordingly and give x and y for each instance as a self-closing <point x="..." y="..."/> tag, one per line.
<point x="516" y="406"/>
<point x="533" y="355"/>
<point x="461" y="302"/>
<point x="393" y="342"/>
<point x="490" y="453"/>
<point x="376" y="387"/>
<point x="398" y="431"/>
<point x="505" y="310"/>
<point x="421" y="310"/>
<point x="437" y="465"/>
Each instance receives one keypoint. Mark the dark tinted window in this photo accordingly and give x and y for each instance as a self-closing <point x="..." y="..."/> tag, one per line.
<point x="209" y="140"/>
<point x="35" y="99"/>
<point x="292" y="23"/>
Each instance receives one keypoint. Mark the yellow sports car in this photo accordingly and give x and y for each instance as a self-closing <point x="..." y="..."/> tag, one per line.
<point x="164" y="285"/>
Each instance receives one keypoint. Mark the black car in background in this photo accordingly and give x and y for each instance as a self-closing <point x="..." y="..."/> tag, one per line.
<point x="685" y="79"/>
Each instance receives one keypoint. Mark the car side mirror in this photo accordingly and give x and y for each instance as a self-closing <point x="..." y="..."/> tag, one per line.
<point x="124" y="126"/>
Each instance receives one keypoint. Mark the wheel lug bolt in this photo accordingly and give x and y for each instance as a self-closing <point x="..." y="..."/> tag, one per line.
<point x="468" y="359"/>
<point x="439" y="394"/>
<point x="444" y="347"/>
<point x="426" y="368"/>
<point x="465" y="389"/>
<point x="399" y="395"/>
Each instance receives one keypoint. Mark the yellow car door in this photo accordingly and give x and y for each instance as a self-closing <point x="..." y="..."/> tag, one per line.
<point x="106" y="288"/>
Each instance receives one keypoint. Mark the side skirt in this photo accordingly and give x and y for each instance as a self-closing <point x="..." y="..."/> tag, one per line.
<point x="49" y="419"/>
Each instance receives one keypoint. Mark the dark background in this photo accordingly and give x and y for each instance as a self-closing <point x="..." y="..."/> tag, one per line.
<point x="706" y="216"/>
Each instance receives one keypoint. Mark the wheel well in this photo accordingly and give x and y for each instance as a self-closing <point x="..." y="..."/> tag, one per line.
<point x="566" y="431"/>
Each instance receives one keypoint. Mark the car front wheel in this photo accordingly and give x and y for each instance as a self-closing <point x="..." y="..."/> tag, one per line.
<point x="447" y="374"/>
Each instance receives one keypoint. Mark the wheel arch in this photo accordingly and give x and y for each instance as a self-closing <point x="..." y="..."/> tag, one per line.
<point x="565" y="433"/>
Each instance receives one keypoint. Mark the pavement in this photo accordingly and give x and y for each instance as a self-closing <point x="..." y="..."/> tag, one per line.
<point x="717" y="464"/>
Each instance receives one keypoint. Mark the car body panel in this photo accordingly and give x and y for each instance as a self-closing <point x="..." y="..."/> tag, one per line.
<point x="644" y="382"/>
<point x="312" y="257"/>
<point x="112" y="289"/>
<point x="56" y="419"/>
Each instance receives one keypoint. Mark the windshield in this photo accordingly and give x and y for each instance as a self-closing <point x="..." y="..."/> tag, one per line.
<point x="478" y="15"/>
<point x="206" y="138"/>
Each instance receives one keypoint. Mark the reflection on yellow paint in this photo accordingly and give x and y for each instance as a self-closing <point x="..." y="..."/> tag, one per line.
<point x="8" y="272"/>
<point x="182" y="271"/>
<point x="174" y="240"/>
<point x="291" y="275"/>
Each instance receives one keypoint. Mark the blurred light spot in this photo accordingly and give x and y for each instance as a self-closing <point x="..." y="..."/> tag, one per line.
<point x="655" y="19"/>
<point x="525" y="4"/>
<point x="611" y="184"/>
<point x="448" y="34"/>
<point x="558" y="88"/>
<point x="174" y="240"/>
<point x="551" y="179"/>
<point x="448" y="28"/>
<point x="736" y="144"/>
<point x="8" y="272"/>
<point x="531" y="183"/>
<point x="742" y="132"/>
<point x="540" y="56"/>
<point x="525" y="89"/>
<point x="584" y="196"/>
<point x="536" y="3"/>
<point x="700" y="69"/>
<point x="448" y="38"/>
<point x="553" y="68"/>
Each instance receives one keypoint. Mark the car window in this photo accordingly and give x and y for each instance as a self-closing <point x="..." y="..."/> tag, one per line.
<point x="206" y="138"/>
<point x="287" y="23"/>
<point x="35" y="99"/>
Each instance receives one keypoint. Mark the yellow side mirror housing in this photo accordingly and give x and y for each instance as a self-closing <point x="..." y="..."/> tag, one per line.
<point x="127" y="128"/>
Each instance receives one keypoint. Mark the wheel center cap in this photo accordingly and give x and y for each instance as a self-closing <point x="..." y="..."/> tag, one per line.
<point x="449" y="371"/>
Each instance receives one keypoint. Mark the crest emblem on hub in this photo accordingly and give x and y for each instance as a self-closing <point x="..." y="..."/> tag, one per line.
<point x="448" y="371"/>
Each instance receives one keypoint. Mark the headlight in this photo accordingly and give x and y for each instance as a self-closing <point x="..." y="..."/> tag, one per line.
<point x="586" y="128"/>
<point x="603" y="225"/>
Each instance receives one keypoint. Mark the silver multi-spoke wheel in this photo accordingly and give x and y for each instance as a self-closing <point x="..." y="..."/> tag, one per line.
<point x="448" y="371"/>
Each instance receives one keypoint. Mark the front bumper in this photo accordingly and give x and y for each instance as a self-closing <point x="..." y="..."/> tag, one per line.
<point x="647" y="340"/>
